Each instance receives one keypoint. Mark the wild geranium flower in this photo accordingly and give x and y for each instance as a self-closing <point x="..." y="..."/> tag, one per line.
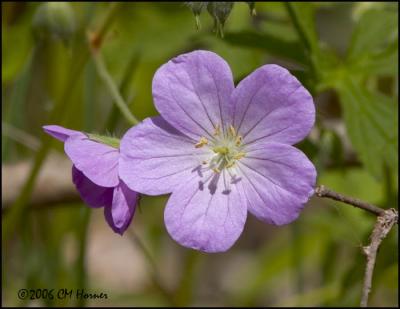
<point x="221" y="150"/>
<point x="95" y="174"/>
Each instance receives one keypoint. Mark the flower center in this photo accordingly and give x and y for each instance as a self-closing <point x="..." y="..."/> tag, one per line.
<point x="227" y="147"/>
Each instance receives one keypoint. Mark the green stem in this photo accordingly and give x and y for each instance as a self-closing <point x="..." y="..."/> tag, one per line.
<point x="108" y="19"/>
<point x="154" y="269"/>
<point x="297" y="25"/>
<point x="302" y="35"/>
<point x="123" y="89"/>
<point x="184" y="293"/>
<point x="11" y="221"/>
<point x="113" y="89"/>
<point x="81" y="262"/>
<point x="297" y="257"/>
<point x="19" y="93"/>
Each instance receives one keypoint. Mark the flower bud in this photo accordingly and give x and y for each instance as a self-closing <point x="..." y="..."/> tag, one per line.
<point x="219" y="12"/>
<point x="252" y="6"/>
<point x="54" y="20"/>
<point x="197" y="8"/>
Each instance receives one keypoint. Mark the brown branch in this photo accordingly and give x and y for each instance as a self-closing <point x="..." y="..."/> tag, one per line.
<point x="386" y="218"/>
<point x="383" y="225"/>
<point x="322" y="191"/>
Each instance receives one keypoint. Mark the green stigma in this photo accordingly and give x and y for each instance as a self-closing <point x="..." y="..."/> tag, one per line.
<point x="221" y="150"/>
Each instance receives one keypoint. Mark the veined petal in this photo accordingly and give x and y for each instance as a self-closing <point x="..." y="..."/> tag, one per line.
<point x="155" y="157"/>
<point x="119" y="215"/>
<point x="278" y="180"/>
<point x="192" y="92"/>
<point x="97" y="161"/>
<point x="207" y="216"/>
<point x="60" y="133"/>
<point x="271" y="105"/>
<point x="92" y="194"/>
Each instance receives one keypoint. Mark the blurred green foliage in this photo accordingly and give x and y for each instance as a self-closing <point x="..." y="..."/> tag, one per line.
<point x="351" y="71"/>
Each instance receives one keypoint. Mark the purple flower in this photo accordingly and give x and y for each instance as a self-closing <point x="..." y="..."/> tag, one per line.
<point x="221" y="150"/>
<point x="96" y="176"/>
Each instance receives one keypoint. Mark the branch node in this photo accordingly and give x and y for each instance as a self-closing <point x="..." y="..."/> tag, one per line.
<point x="319" y="191"/>
<point x="366" y="250"/>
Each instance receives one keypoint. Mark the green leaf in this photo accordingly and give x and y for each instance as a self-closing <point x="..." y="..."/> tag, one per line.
<point x="374" y="43"/>
<point x="275" y="46"/>
<point x="371" y="121"/>
<point x="376" y="28"/>
<point x="382" y="62"/>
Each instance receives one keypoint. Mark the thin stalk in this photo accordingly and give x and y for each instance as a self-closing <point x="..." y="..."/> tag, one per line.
<point x="322" y="191"/>
<point x="302" y="36"/>
<point x="113" y="89"/>
<point x="11" y="221"/>
<point x="155" y="274"/>
<point x="297" y="25"/>
<point x="81" y="262"/>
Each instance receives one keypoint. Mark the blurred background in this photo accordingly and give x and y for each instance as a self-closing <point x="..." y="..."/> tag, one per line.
<point x="346" y="54"/>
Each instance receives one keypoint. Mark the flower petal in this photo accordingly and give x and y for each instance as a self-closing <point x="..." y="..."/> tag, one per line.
<point x="155" y="157"/>
<point x="119" y="215"/>
<point x="279" y="179"/>
<point x="192" y="92"/>
<point x="60" y="133"/>
<point x="92" y="194"/>
<point x="272" y="105"/>
<point x="207" y="216"/>
<point x="97" y="161"/>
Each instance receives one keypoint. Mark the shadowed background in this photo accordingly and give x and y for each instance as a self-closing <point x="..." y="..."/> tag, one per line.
<point x="344" y="53"/>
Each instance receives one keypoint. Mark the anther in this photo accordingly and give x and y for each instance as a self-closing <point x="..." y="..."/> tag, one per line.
<point x="238" y="140"/>
<point x="232" y="130"/>
<point x="204" y="162"/>
<point x="216" y="170"/>
<point x="217" y="131"/>
<point x="203" y="141"/>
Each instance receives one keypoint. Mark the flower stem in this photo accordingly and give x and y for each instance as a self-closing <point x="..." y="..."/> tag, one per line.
<point x="297" y="25"/>
<point x="113" y="89"/>
<point x="17" y="209"/>
<point x="155" y="274"/>
<point x="386" y="219"/>
<point x="322" y="191"/>
<point x="301" y="32"/>
<point x="383" y="225"/>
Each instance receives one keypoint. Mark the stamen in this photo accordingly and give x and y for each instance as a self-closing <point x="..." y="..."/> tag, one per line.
<point x="217" y="131"/>
<point x="204" y="162"/>
<point x="239" y="155"/>
<point x="216" y="170"/>
<point x="203" y="141"/>
<point x="238" y="140"/>
<point x="230" y="164"/>
<point x="232" y="130"/>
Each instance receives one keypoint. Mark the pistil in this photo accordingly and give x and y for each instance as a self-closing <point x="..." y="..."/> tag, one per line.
<point x="227" y="149"/>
